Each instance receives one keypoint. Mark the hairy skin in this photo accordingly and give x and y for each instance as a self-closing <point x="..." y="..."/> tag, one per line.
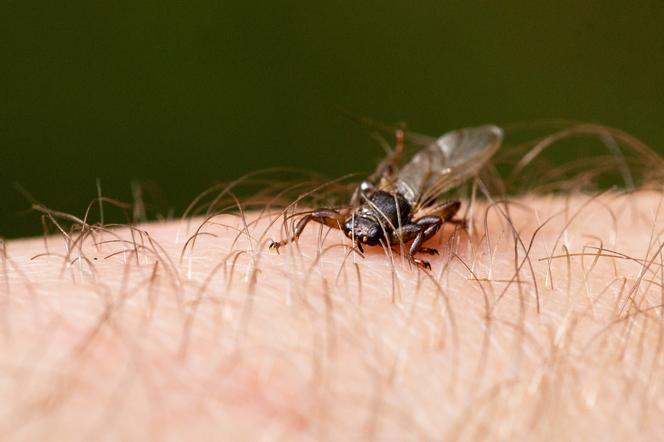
<point x="545" y="321"/>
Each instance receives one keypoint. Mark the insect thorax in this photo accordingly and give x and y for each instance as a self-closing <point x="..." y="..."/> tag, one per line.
<point x="389" y="208"/>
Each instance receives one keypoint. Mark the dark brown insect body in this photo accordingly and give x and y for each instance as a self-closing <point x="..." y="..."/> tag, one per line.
<point x="397" y="206"/>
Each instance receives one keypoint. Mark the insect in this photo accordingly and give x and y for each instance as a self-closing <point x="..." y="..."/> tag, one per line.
<point x="400" y="205"/>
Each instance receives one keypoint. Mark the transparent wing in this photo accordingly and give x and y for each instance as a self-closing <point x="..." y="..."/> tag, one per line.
<point x="450" y="160"/>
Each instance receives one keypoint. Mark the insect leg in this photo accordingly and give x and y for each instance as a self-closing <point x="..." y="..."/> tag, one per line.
<point x="447" y="210"/>
<point x="328" y="217"/>
<point x="420" y="231"/>
<point x="388" y="167"/>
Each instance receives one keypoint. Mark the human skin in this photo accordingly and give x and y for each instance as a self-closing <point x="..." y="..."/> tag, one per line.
<point x="542" y="321"/>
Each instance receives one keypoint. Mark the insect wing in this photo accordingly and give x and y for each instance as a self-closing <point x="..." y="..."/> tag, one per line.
<point x="449" y="161"/>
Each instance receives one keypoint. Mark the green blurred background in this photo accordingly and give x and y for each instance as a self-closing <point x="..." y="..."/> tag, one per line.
<point x="188" y="93"/>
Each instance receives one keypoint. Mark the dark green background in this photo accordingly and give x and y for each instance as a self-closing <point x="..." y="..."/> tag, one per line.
<point x="188" y="93"/>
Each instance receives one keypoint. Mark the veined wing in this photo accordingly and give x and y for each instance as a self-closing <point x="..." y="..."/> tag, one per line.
<point x="449" y="161"/>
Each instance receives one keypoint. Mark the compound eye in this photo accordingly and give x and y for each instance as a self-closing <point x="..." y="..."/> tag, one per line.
<point x="348" y="229"/>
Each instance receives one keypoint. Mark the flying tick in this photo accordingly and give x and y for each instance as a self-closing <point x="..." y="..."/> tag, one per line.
<point x="400" y="205"/>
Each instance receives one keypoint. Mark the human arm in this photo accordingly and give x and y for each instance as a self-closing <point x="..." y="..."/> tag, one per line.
<point x="543" y="322"/>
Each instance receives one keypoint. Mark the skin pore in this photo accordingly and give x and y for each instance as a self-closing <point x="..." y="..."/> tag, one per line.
<point x="543" y="321"/>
